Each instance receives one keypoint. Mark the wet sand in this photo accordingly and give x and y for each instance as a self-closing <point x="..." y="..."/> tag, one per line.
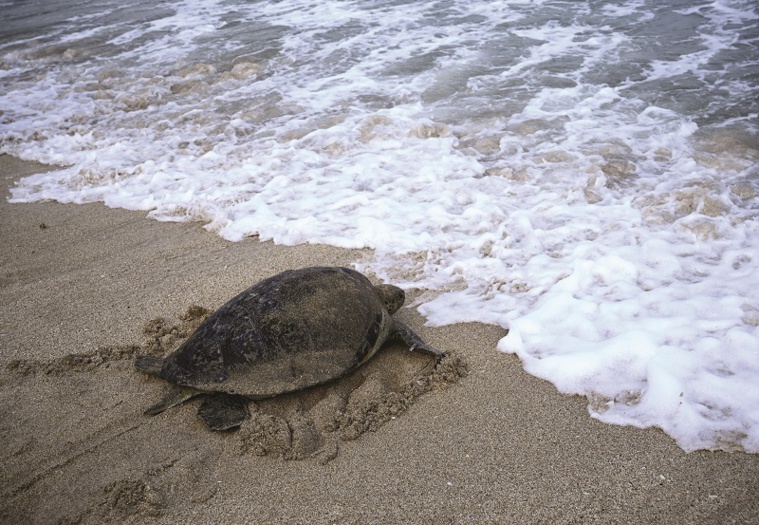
<point x="85" y="288"/>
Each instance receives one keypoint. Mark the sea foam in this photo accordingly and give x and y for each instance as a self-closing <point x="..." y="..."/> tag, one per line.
<point x="582" y="176"/>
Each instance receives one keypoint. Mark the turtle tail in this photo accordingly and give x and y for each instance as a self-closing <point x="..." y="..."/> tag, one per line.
<point x="149" y="364"/>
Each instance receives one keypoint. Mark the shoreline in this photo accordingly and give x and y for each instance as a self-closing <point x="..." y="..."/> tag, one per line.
<point x="497" y="446"/>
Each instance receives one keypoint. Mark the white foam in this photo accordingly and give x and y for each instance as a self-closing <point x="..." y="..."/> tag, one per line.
<point x="491" y="155"/>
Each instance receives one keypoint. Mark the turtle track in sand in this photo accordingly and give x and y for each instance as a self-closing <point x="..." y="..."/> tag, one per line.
<point x="56" y="448"/>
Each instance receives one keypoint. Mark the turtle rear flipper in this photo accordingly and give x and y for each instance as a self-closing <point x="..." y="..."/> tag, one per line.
<point x="176" y="396"/>
<point x="221" y="411"/>
<point x="409" y="337"/>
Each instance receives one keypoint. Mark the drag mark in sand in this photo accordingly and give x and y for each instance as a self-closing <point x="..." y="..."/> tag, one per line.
<point x="83" y="418"/>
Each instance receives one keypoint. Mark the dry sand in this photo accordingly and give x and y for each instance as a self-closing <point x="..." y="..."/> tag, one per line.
<point x="81" y="288"/>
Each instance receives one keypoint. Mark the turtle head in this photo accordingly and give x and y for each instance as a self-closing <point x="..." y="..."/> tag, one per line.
<point x="391" y="296"/>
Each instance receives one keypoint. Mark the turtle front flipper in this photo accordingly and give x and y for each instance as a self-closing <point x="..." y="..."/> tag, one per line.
<point x="408" y="336"/>
<point x="175" y="396"/>
<point x="222" y="411"/>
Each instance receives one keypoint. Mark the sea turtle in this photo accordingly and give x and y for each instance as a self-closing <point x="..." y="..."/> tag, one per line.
<point x="294" y="330"/>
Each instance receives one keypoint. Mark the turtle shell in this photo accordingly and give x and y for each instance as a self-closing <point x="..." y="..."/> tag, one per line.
<point x="288" y="332"/>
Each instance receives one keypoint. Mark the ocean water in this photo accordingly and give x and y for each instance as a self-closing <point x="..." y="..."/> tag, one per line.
<point x="583" y="173"/>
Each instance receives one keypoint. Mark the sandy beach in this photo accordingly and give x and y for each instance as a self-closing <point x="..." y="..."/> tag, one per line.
<point x="85" y="288"/>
